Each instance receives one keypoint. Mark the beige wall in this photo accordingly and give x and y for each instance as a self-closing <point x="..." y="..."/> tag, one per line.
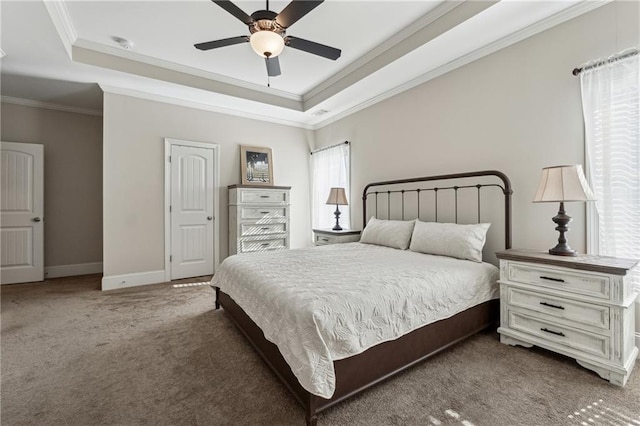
<point x="516" y="110"/>
<point x="134" y="132"/>
<point x="72" y="178"/>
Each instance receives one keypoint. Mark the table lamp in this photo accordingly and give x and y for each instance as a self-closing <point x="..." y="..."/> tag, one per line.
<point x="563" y="184"/>
<point x="338" y="197"/>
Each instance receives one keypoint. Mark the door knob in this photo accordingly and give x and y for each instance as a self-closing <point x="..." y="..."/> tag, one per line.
<point x="209" y="217"/>
<point x="36" y="219"/>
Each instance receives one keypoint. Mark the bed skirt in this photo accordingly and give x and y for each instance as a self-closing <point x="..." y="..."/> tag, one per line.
<point x="356" y="373"/>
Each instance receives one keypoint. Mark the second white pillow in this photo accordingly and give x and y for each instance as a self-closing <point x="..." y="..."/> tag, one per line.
<point x="450" y="239"/>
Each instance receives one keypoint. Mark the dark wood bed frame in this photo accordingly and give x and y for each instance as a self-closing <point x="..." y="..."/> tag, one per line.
<point x="358" y="372"/>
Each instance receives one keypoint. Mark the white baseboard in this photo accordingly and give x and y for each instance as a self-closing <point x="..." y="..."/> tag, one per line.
<point x="72" y="270"/>
<point x="114" y="282"/>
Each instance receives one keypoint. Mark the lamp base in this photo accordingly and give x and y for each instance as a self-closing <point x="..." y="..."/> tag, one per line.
<point x="562" y="219"/>
<point x="337" y="226"/>
<point x="563" y="251"/>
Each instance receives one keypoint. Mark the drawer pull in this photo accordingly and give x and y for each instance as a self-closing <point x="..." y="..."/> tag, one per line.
<point x="324" y="239"/>
<point x="265" y="229"/>
<point x="558" y="280"/>
<point x="265" y="244"/>
<point x="265" y="196"/>
<point x="264" y="212"/>
<point x="557" y="333"/>
<point x="552" y="306"/>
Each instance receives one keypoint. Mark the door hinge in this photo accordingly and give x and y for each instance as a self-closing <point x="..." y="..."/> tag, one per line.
<point x="170" y="258"/>
<point x="169" y="209"/>
<point x="169" y="158"/>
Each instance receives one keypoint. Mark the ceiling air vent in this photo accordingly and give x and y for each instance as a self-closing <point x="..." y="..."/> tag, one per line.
<point x="123" y="42"/>
<point x="319" y="112"/>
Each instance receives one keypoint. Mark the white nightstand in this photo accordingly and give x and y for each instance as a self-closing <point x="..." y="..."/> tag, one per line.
<point x="580" y="306"/>
<point x="323" y="237"/>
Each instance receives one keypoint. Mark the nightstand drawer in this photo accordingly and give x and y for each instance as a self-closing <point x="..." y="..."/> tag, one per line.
<point x="264" y="196"/>
<point x="583" y="341"/>
<point x="250" y="229"/>
<point x="578" y="312"/>
<point x="247" y="246"/>
<point x="586" y="284"/>
<point x="323" y="237"/>
<point x="266" y="213"/>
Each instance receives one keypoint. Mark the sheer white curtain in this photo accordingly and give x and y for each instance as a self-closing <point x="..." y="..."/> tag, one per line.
<point x="330" y="167"/>
<point x="611" y="107"/>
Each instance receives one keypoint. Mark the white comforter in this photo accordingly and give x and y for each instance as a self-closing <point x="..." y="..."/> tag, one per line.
<point x="328" y="303"/>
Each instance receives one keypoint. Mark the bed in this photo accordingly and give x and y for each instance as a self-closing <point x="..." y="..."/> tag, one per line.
<point x="348" y="345"/>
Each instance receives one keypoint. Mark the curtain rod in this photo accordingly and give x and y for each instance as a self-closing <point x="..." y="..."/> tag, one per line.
<point x="577" y="71"/>
<point x="329" y="147"/>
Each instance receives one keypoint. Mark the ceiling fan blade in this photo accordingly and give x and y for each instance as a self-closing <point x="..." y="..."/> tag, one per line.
<point x="313" y="47"/>
<point x="273" y="66"/>
<point x="296" y="10"/>
<point x="234" y="10"/>
<point x="208" y="45"/>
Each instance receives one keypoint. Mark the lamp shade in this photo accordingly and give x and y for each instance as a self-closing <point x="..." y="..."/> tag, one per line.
<point x="267" y="43"/>
<point x="337" y="196"/>
<point x="563" y="183"/>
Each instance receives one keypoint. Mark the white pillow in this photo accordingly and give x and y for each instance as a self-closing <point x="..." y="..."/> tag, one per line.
<point x="390" y="233"/>
<point x="450" y="239"/>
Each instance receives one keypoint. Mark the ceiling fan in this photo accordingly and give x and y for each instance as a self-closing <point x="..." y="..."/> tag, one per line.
<point x="268" y="33"/>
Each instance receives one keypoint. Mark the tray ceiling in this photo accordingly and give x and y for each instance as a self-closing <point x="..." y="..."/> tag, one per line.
<point x="387" y="47"/>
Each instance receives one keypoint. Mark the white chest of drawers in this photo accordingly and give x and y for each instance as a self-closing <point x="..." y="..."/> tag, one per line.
<point x="258" y="218"/>
<point x="581" y="306"/>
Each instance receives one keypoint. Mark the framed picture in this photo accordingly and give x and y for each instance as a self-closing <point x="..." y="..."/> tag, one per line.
<point x="256" y="165"/>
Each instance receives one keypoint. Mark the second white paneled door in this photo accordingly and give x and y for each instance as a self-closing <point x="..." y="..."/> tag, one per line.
<point x="22" y="205"/>
<point x="192" y="211"/>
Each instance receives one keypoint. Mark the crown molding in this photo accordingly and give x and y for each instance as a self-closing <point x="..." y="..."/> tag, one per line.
<point x="104" y="58"/>
<point x="201" y="106"/>
<point x="47" y="105"/>
<point x="531" y="30"/>
<point x="160" y="63"/>
<point x="62" y="21"/>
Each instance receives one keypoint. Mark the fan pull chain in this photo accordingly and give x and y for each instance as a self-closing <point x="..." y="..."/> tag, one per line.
<point x="268" y="58"/>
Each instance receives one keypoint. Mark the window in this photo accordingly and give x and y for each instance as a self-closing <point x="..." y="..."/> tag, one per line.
<point x="330" y="167"/>
<point x="611" y="107"/>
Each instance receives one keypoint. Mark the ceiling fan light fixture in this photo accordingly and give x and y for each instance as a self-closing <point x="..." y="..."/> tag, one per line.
<point x="267" y="44"/>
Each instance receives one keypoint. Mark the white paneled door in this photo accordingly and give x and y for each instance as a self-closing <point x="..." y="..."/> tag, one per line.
<point x="22" y="210"/>
<point x="192" y="211"/>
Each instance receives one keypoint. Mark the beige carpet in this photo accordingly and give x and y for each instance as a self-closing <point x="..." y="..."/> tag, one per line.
<point x="159" y="355"/>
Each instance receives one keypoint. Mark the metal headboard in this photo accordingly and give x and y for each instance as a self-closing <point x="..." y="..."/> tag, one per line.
<point x="505" y="186"/>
